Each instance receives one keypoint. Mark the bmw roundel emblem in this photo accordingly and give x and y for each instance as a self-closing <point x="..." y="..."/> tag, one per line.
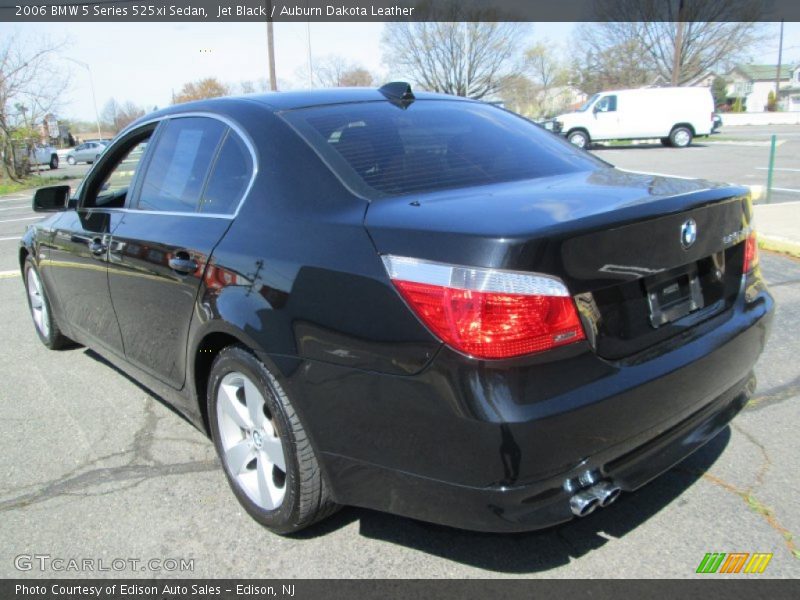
<point x="688" y="233"/>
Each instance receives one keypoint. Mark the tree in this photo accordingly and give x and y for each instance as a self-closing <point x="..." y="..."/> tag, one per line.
<point x="117" y="116"/>
<point x="357" y="77"/>
<point x="682" y="39"/>
<point x="519" y="94"/>
<point x="253" y="87"/>
<point x="210" y="87"/>
<point x="547" y="74"/>
<point x="603" y="67"/>
<point x="719" y="89"/>
<point x="31" y="84"/>
<point x="453" y="49"/>
<point x="336" y="71"/>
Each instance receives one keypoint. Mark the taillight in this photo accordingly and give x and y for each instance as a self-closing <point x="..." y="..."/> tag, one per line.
<point x="750" y="252"/>
<point x="487" y="313"/>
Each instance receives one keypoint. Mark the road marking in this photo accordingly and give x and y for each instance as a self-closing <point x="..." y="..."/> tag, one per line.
<point x="778" y="169"/>
<point x="6" y="239"/>
<point x="777" y="189"/>
<point x="38" y="217"/>
<point x="20" y="207"/>
<point x="9" y="274"/>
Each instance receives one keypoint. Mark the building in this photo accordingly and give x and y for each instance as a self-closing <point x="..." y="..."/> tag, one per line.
<point x="753" y="83"/>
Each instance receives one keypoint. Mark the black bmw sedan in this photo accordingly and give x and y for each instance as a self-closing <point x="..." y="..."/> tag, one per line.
<point x="408" y="302"/>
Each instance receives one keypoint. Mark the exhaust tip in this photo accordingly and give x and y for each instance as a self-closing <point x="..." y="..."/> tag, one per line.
<point x="583" y="503"/>
<point x="606" y="492"/>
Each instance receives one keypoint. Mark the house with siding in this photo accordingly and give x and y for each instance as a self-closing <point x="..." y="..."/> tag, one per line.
<point x="753" y="83"/>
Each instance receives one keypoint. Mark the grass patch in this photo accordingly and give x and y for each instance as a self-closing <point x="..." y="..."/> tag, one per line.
<point x="8" y="186"/>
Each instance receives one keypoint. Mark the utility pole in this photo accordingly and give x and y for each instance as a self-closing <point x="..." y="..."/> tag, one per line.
<point x="273" y="81"/>
<point x="677" y="57"/>
<point x="310" y="64"/>
<point x="778" y="70"/>
<point x="91" y="85"/>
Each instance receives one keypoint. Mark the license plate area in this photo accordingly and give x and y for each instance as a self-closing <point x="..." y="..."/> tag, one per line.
<point x="673" y="295"/>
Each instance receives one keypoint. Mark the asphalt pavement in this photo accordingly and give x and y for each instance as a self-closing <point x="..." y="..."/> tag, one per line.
<point x="736" y="155"/>
<point x="95" y="466"/>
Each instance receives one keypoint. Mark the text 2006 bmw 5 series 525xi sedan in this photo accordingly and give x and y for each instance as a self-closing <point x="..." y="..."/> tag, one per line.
<point x="413" y="303"/>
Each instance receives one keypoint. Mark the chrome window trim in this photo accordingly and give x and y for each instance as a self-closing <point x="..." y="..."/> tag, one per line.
<point x="234" y="126"/>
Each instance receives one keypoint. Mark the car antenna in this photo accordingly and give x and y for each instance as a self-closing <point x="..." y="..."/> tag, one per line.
<point x="398" y="93"/>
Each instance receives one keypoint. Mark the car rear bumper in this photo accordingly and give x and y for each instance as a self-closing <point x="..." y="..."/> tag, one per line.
<point x="502" y="449"/>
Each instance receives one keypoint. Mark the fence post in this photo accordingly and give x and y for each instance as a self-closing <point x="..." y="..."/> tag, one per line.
<point x="771" y="167"/>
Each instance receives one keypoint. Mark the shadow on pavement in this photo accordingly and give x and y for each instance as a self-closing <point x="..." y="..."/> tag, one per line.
<point x="536" y="551"/>
<point x="521" y="552"/>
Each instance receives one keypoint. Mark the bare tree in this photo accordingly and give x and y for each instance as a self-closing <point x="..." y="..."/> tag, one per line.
<point x="118" y="116"/>
<point x="30" y="86"/>
<point x="210" y="87"/>
<point x="682" y="39"/>
<point x="336" y="71"/>
<point x="454" y="50"/>
<point x="604" y="65"/>
<point x="250" y="86"/>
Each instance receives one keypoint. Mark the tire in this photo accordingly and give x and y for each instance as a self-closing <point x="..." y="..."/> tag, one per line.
<point x="680" y="137"/>
<point x="54" y="162"/>
<point x="38" y="303"/>
<point x="579" y="138"/>
<point x="665" y="142"/>
<point x="283" y="500"/>
<point x="71" y="160"/>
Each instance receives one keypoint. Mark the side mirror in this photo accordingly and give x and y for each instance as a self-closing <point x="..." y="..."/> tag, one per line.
<point x="51" y="199"/>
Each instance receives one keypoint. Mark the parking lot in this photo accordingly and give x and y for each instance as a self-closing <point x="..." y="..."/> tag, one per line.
<point x="736" y="155"/>
<point x="95" y="466"/>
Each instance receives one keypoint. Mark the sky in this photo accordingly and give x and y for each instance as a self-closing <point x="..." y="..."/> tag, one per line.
<point x="144" y="63"/>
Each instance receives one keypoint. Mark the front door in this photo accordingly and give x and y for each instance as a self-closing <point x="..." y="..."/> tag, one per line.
<point x="606" y="124"/>
<point x="77" y="261"/>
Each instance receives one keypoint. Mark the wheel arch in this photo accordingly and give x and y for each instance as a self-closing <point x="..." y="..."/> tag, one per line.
<point x="208" y="343"/>
<point x="580" y="128"/>
<point x="688" y="126"/>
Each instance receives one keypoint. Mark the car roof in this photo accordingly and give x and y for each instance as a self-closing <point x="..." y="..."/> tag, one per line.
<point x="283" y="101"/>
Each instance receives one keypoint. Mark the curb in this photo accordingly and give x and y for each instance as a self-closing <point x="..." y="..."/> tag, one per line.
<point x="779" y="244"/>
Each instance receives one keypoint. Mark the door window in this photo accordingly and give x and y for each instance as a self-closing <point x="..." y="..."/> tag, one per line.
<point x="115" y="185"/>
<point x="228" y="182"/>
<point x="180" y="163"/>
<point x="607" y="104"/>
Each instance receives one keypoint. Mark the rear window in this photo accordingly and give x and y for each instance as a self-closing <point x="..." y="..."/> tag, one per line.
<point x="381" y="149"/>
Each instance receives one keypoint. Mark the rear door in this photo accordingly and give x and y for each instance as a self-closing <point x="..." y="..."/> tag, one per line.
<point x="196" y="175"/>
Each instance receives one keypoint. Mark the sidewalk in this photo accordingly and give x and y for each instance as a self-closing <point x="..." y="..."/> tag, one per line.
<point x="778" y="227"/>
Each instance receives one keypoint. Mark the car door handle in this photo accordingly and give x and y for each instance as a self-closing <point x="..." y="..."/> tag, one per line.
<point x="97" y="247"/>
<point x="182" y="264"/>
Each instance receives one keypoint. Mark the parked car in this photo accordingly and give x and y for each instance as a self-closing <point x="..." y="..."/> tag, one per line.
<point x="415" y="303"/>
<point x="87" y="152"/>
<point x="676" y="115"/>
<point x="44" y="155"/>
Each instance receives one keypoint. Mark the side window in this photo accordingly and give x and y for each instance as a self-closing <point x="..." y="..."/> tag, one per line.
<point x="180" y="164"/>
<point x="228" y="181"/>
<point x="113" y="190"/>
<point x="607" y="104"/>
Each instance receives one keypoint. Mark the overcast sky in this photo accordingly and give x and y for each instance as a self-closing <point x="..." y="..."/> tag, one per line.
<point x="144" y="63"/>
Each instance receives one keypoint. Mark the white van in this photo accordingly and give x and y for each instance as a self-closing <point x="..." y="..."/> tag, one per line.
<point x="676" y="115"/>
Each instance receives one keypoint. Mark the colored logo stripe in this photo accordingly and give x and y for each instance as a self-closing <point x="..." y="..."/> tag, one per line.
<point x="713" y="562"/>
<point x="758" y="562"/>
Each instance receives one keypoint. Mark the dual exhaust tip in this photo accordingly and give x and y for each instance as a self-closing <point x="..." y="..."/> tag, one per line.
<point x="600" y="495"/>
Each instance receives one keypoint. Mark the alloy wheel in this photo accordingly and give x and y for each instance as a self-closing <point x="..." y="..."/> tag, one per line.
<point x="251" y="447"/>
<point x="38" y="305"/>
